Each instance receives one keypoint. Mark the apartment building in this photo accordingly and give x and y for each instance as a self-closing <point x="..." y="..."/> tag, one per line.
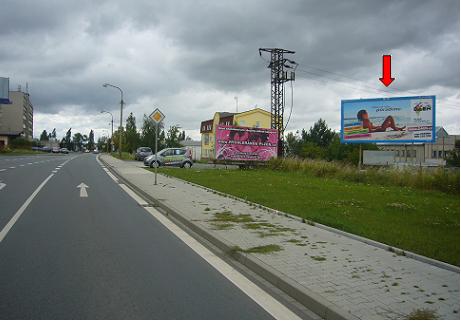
<point x="16" y="118"/>
<point x="257" y="118"/>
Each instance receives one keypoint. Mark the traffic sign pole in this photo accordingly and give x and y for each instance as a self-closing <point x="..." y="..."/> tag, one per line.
<point x="156" y="163"/>
<point x="157" y="117"/>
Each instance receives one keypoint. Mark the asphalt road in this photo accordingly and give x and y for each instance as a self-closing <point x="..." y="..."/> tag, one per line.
<point x="101" y="256"/>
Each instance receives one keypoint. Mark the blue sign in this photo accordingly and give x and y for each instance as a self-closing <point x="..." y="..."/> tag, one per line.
<point x="388" y="120"/>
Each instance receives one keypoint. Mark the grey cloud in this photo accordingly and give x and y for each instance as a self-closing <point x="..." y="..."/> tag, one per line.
<point x="158" y="50"/>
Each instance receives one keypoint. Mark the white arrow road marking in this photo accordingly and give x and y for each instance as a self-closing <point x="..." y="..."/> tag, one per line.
<point x="83" y="188"/>
<point x="2" y="185"/>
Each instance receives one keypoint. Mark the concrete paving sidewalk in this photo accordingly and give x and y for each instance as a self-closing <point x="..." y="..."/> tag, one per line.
<point x="347" y="276"/>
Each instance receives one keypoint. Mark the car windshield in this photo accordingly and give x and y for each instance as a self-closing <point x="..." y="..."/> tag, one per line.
<point x="146" y="149"/>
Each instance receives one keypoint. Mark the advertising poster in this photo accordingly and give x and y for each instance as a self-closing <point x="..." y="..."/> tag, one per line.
<point x="384" y="120"/>
<point x="245" y="144"/>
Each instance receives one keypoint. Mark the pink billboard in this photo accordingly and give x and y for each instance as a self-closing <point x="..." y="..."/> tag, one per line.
<point x="245" y="144"/>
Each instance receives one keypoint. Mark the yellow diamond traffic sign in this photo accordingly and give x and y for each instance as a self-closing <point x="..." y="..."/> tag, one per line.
<point x="157" y="116"/>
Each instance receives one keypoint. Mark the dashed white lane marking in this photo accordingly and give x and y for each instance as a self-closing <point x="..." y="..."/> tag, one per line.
<point x="12" y="167"/>
<point x="261" y="297"/>
<point x="2" y="170"/>
<point x="54" y="172"/>
<point x="29" y="163"/>
<point x="21" y="210"/>
<point x="115" y="179"/>
<point x="21" y="165"/>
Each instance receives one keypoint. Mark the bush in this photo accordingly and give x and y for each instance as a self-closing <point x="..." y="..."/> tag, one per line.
<point x="21" y="142"/>
<point x="440" y="179"/>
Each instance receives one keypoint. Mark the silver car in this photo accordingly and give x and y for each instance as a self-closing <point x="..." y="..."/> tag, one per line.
<point x="170" y="157"/>
<point x="142" y="153"/>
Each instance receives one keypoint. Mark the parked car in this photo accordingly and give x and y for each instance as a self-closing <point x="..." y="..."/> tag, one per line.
<point x="170" y="157"/>
<point x="64" y="151"/>
<point x="142" y="153"/>
<point x="56" y="150"/>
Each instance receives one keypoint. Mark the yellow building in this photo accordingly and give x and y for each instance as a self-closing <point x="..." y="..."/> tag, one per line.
<point x="256" y="118"/>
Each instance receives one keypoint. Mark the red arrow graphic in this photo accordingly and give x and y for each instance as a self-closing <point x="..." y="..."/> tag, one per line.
<point x="386" y="79"/>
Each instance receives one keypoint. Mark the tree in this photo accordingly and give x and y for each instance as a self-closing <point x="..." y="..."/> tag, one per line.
<point x="292" y="143"/>
<point x="116" y="138"/>
<point x="173" y="137"/>
<point x="90" y="144"/>
<point x="148" y="134"/>
<point x="319" y="134"/>
<point x="103" y="143"/>
<point x="78" y="141"/>
<point x="132" y="136"/>
<point x="44" y="136"/>
<point x="182" y="135"/>
<point x="67" y="140"/>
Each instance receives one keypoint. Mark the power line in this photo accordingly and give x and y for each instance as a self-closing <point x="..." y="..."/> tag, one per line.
<point x="370" y="89"/>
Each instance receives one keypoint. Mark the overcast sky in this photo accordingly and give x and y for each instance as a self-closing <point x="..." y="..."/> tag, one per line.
<point x="191" y="58"/>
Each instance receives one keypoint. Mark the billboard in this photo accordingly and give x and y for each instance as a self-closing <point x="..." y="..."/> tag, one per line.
<point x="245" y="144"/>
<point x="384" y="120"/>
<point x="4" y="90"/>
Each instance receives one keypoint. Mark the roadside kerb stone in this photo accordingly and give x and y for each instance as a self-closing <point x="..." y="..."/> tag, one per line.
<point x="365" y="281"/>
<point x="384" y="246"/>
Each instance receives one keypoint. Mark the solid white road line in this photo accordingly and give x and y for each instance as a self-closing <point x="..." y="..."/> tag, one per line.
<point x="21" y="210"/>
<point x="133" y="195"/>
<point x="261" y="297"/>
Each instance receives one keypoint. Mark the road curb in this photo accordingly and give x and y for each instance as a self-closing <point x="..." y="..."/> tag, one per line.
<point x="396" y="250"/>
<point x="311" y="300"/>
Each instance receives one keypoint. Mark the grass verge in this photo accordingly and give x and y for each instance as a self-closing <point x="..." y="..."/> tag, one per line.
<point x="424" y="222"/>
<point x="125" y="156"/>
<point x="18" y="152"/>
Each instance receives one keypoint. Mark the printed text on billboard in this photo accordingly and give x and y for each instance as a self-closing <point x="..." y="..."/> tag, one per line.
<point x="396" y="120"/>
<point x="245" y="144"/>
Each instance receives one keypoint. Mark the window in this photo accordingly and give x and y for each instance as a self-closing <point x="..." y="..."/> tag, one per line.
<point x="434" y="154"/>
<point x="168" y="152"/>
<point x="440" y="154"/>
<point x="206" y="139"/>
<point x="397" y="153"/>
<point x="179" y="151"/>
<point x="242" y="123"/>
<point x="258" y="124"/>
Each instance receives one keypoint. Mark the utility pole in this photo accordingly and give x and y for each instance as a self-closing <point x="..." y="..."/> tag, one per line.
<point x="279" y="76"/>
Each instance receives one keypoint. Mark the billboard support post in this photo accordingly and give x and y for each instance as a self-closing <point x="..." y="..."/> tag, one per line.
<point x="360" y="157"/>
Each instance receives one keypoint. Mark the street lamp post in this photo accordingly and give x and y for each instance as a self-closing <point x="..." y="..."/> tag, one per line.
<point x="112" y="133"/>
<point x="236" y="104"/>
<point x="121" y="116"/>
